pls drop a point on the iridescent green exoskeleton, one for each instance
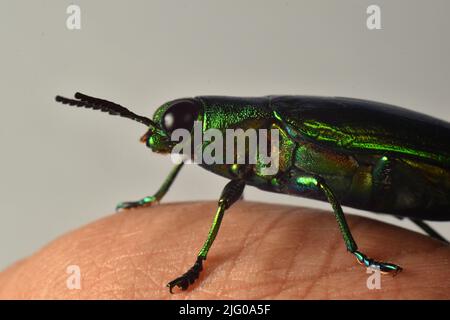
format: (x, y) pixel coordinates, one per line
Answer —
(351, 152)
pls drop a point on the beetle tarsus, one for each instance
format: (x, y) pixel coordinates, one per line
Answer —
(125, 206)
(384, 267)
(146, 202)
(189, 277)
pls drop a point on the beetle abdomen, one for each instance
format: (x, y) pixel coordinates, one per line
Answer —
(412, 188)
(401, 187)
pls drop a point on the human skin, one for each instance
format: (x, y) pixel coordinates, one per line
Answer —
(262, 251)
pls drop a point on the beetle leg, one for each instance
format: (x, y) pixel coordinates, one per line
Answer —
(230, 194)
(429, 230)
(148, 201)
(317, 184)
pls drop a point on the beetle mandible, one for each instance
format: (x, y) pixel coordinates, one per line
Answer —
(351, 152)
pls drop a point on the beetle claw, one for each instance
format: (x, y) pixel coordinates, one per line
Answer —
(127, 205)
(384, 267)
(146, 202)
(187, 278)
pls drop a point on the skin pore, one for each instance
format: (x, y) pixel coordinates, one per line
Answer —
(262, 251)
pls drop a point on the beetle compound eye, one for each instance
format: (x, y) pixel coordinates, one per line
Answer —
(181, 115)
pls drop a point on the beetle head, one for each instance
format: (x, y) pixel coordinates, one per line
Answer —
(176, 114)
(173, 115)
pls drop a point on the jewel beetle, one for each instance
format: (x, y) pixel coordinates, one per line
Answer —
(352, 152)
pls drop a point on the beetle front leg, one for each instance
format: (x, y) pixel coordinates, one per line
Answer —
(148, 201)
(317, 184)
(230, 194)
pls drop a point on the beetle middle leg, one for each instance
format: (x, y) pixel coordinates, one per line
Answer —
(230, 194)
(147, 201)
(304, 183)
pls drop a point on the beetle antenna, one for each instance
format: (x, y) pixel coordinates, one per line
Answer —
(82, 100)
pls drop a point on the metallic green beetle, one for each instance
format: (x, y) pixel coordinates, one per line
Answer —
(352, 152)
